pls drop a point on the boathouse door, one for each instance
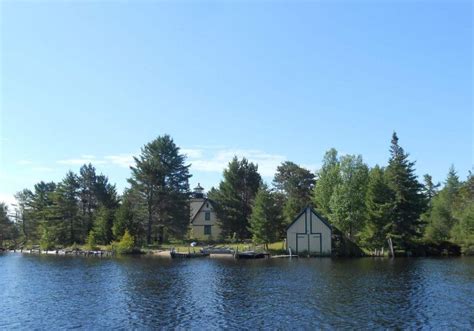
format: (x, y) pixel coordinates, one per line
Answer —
(310, 243)
(315, 243)
(302, 243)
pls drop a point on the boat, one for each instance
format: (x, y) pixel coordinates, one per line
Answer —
(249, 255)
(178, 255)
(217, 250)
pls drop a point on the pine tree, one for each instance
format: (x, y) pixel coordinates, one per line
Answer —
(8, 231)
(462, 231)
(379, 204)
(161, 177)
(441, 215)
(44, 215)
(103, 223)
(95, 191)
(266, 217)
(129, 216)
(26, 221)
(297, 184)
(234, 197)
(409, 202)
(88, 200)
(66, 198)
(430, 188)
(327, 179)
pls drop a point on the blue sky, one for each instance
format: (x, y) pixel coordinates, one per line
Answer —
(273, 81)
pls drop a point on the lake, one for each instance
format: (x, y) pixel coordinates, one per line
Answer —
(61, 292)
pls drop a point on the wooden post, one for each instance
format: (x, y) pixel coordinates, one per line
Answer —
(390, 245)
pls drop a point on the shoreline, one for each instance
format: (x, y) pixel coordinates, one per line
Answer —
(167, 254)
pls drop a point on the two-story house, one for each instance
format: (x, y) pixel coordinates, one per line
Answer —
(204, 222)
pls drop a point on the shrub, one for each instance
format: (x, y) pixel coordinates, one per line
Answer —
(91, 243)
(47, 241)
(125, 245)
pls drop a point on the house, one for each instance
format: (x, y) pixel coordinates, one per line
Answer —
(309, 233)
(204, 222)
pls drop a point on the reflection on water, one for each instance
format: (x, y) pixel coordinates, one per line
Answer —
(44, 292)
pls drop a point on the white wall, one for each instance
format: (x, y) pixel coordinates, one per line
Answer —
(309, 231)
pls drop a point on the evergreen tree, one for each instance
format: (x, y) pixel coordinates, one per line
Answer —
(347, 203)
(88, 199)
(452, 185)
(327, 179)
(26, 221)
(379, 204)
(441, 215)
(103, 223)
(234, 197)
(43, 213)
(129, 216)
(67, 200)
(409, 202)
(161, 178)
(91, 242)
(7, 226)
(430, 188)
(266, 217)
(95, 192)
(297, 184)
(462, 231)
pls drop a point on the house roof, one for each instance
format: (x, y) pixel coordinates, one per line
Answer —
(314, 212)
(196, 206)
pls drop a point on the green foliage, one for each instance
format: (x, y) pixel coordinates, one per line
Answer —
(379, 204)
(95, 191)
(129, 215)
(347, 203)
(126, 244)
(91, 242)
(441, 217)
(266, 217)
(48, 239)
(452, 212)
(66, 201)
(368, 206)
(103, 223)
(160, 176)
(430, 188)
(8, 229)
(26, 221)
(327, 180)
(296, 184)
(234, 197)
(409, 202)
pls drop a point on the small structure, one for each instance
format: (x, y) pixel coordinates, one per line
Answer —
(309, 234)
(204, 223)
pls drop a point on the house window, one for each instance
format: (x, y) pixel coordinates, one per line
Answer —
(207, 216)
(207, 230)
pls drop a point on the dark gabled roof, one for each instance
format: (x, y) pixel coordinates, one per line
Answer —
(314, 212)
(202, 203)
(195, 206)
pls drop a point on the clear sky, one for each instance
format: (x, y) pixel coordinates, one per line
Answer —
(273, 81)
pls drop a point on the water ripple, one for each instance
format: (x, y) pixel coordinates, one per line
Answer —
(51, 292)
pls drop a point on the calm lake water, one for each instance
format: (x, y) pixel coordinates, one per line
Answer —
(57, 292)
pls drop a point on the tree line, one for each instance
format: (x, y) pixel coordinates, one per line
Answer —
(367, 204)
